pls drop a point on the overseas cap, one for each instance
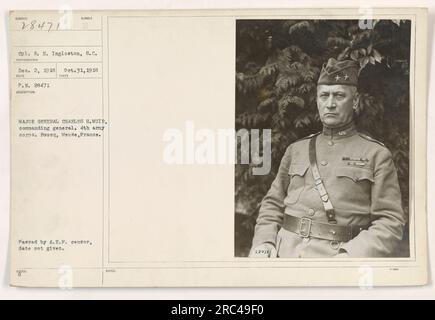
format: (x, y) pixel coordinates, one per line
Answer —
(339, 72)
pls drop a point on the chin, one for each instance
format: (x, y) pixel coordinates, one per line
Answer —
(330, 123)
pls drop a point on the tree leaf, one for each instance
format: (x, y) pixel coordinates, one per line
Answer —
(344, 54)
(304, 25)
(337, 41)
(354, 55)
(377, 55)
(266, 103)
(268, 69)
(364, 61)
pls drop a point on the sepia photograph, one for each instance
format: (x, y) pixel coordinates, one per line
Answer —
(209, 148)
(334, 96)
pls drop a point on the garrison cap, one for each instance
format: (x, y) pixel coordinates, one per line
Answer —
(343, 72)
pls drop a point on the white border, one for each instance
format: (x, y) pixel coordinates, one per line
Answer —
(215, 293)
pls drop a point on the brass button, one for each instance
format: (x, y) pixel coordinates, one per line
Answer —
(330, 143)
(324, 162)
(311, 212)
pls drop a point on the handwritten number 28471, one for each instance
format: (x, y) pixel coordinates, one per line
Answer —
(35, 25)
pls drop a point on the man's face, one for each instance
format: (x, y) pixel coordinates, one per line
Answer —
(335, 104)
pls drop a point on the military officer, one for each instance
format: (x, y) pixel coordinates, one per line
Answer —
(336, 193)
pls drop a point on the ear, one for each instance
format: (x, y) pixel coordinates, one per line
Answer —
(356, 106)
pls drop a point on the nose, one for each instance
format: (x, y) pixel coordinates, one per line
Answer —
(330, 103)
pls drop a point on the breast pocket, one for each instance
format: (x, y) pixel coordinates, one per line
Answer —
(354, 188)
(297, 172)
(356, 174)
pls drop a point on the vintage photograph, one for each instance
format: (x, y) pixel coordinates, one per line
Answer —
(290, 142)
(335, 95)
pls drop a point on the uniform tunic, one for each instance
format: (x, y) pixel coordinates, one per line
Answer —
(361, 180)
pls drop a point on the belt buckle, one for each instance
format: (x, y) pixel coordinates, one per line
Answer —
(305, 227)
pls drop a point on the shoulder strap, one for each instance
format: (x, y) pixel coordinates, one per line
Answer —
(308, 137)
(329, 209)
(367, 137)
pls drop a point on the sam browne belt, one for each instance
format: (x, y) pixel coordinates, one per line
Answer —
(306, 227)
(320, 187)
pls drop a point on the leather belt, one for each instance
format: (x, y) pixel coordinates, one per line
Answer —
(306, 228)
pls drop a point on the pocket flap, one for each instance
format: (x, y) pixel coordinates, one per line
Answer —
(356, 174)
(298, 169)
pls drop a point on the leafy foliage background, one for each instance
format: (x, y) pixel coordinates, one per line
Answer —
(277, 66)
